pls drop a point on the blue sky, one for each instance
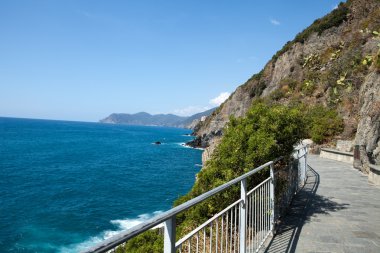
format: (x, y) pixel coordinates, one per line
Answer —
(82, 60)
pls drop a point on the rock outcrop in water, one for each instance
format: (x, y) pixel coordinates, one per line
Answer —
(334, 62)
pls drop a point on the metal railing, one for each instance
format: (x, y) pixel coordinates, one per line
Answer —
(243, 226)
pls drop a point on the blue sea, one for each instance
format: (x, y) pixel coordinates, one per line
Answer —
(67, 185)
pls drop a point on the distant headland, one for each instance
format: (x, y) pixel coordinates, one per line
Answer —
(146, 119)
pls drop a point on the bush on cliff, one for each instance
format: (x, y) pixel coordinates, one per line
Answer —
(267, 132)
(323, 123)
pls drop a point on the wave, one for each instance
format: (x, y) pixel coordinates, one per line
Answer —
(187, 146)
(121, 225)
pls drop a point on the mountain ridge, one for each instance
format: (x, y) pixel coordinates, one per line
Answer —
(147, 119)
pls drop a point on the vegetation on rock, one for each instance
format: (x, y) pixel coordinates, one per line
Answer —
(323, 123)
(333, 19)
(268, 131)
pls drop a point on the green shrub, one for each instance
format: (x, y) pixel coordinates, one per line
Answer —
(255, 77)
(290, 83)
(308, 87)
(323, 123)
(335, 18)
(267, 132)
(151, 241)
(277, 94)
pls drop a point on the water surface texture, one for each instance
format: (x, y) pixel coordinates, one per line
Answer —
(66, 185)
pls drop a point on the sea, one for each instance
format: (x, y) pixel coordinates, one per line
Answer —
(65, 186)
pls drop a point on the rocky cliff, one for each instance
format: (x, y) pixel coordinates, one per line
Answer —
(334, 62)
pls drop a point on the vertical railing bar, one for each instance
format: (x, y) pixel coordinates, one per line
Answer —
(258, 216)
(255, 205)
(299, 166)
(197, 242)
(262, 212)
(227, 232)
(266, 208)
(268, 204)
(190, 245)
(253, 219)
(211, 236)
(242, 216)
(269, 209)
(216, 236)
(263, 219)
(238, 229)
(252, 222)
(249, 225)
(235, 229)
(204, 239)
(231, 232)
(221, 234)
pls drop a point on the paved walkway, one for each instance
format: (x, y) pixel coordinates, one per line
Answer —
(337, 211)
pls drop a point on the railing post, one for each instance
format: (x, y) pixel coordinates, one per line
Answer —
(304, 166)
(272, 216)
(306, 153)
(242, 223)
(300, 166)
(169, 235)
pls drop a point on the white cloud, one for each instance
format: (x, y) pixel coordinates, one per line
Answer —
(190, 110)
(335, 7)
(219, 99)
(275, 22)
(193, 109)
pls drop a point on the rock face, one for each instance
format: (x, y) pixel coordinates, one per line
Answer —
(333, 62)
(369, 121)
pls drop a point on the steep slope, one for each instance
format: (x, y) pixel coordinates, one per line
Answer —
(334, 62)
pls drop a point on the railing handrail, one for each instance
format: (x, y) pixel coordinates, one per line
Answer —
(170, 215)
(160, 218)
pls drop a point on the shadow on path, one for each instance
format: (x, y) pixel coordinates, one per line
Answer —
(304, 205)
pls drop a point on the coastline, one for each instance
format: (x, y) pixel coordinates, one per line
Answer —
(186, 145)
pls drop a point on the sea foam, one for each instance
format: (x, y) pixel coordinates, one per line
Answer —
(120, 224)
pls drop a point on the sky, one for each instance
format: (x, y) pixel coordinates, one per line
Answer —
(85, 59)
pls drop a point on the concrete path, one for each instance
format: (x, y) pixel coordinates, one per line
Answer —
(336, 211)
